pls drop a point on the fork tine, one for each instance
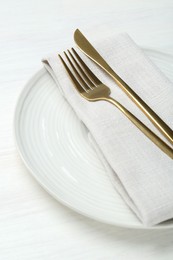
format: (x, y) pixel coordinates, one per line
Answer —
(84, 75)
(85, 86)
(75, 82)
(88, 71)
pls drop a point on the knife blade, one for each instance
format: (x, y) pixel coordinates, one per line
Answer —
(86, 47)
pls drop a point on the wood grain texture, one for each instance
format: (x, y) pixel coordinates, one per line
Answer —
(32, 224)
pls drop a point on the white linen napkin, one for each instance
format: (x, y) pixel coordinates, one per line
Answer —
(140, 171)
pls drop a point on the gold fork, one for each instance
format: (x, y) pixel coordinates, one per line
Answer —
(92, 89)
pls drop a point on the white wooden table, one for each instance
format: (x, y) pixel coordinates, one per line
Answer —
(32, 224)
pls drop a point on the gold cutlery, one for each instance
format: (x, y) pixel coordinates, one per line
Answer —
(92, 53)
(92, 89)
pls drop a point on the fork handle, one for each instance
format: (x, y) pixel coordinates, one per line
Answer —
(153, 117)
(151, 135)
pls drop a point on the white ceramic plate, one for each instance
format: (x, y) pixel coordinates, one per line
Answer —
(51, 139)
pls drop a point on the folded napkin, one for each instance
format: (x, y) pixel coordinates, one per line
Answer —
(140, 171)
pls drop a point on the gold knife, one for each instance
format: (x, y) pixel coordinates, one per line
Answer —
(91, 52)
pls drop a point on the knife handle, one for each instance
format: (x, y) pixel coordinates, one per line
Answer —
(153, 117)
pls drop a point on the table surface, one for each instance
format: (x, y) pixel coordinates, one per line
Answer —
(32, 224)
